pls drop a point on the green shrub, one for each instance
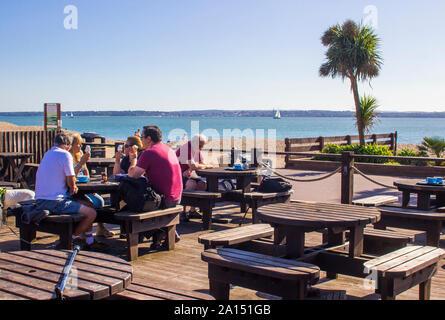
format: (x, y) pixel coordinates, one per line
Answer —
(369, 149)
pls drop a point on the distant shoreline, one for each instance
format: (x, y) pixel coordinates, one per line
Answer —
(231, 113)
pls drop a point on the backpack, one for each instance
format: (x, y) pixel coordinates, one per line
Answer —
(269, 185)
(139, 195)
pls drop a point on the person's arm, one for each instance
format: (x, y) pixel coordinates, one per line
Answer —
(71, 183)
(134, 171)
(82, 163)
(117, 164)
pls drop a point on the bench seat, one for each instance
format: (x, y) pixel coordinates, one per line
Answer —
(132, 223)
(141, 289)
(375, 201)
(403, 269)
(377, 241)
(205, 201)
(257, 199)
(281, 277)
(235, 236)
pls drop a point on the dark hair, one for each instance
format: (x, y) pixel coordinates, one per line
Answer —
(63, 139)
(153, 132)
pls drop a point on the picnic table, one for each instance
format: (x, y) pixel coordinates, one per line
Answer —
(423, 192)
(16, 161)
(243, 177)
(97, 186)
(34, 275)
(292, 220)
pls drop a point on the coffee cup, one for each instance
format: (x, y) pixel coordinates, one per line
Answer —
(237, 166)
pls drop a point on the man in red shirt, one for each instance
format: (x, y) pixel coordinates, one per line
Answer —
(190, 159)
(161, 167)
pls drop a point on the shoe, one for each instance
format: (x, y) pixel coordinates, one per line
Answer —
(104, 233)
(193, 215)
(161, 238)
(78, 242)
(96, 246)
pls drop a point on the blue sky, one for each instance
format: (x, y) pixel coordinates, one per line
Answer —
(209, 54)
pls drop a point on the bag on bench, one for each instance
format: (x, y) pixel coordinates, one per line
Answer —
(269, 185)
(139, 195)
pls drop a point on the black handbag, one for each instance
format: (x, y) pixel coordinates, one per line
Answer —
(269, 185)
(139, 195)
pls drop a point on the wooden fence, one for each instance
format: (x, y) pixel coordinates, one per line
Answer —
(317, 144)
(35, 142)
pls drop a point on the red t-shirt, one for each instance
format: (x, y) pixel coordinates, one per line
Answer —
(162, 171)
(184, 154)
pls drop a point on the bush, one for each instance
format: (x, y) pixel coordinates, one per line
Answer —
(369, 149)
(407, 152)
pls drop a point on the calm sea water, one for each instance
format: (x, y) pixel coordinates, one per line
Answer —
(410, 130)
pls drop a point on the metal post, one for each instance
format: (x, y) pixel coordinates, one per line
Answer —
(256, 156)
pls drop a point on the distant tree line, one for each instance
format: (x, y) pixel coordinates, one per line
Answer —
(233, 113)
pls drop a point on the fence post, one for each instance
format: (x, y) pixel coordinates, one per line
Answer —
(322, 143)
(349, 139)
(287, 149)
(347, 177)
(256, 155)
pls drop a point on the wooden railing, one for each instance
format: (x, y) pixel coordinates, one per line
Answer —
(35, 142)
(317, 144)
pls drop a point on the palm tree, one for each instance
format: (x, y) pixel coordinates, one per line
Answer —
(367, 115)
(435, 145)
(352, 53)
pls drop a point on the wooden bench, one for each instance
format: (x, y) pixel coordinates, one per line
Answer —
(375, 201)
(205, 201)
(377, 241)
(8, 184)
(403, 269)
(132, 223)
(61, 225)
(257, 199)
(141, 289)
(281, 277)
(235, 236)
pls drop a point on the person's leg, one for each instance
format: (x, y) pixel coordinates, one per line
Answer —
(190, 185)
(99, 202)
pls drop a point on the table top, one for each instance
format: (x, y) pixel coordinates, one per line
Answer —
(224, 173)
(317, 215)
(15, 154)
(412, 185)
(35, 274)
(97, 186)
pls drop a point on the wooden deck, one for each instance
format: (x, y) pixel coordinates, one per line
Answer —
(183, 268)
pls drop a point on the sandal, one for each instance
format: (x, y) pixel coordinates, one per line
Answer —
(104, 233)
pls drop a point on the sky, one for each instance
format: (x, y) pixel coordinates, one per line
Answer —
(211, 54)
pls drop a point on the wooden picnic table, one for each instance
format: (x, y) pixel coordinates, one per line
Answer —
(107, 163)
(292, 220)
(97, 186)
(16, 161)
(423, 192)
(34, 275)
(243, 177)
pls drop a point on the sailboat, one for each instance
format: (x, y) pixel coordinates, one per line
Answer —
(71, 115)
(277, 115)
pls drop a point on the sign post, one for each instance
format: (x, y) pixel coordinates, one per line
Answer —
(51, 119)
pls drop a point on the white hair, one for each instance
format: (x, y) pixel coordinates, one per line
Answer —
(197, 138)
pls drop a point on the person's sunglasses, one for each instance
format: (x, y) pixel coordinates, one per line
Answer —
(127, 146)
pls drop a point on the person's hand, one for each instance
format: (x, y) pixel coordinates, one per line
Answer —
(133, 156)
(118, 155)
(86, 156)
(74, 190)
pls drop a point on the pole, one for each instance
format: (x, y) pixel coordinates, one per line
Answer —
(347, 177)
(66, 271)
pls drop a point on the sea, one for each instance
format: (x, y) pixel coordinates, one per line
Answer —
(409, 130)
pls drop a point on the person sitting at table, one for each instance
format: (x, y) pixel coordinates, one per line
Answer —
(56, 185)
(122, 163)
(161, 168)
(80, 168)
(191, 159)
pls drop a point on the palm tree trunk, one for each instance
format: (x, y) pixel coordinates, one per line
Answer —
(361, 130)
